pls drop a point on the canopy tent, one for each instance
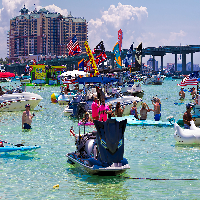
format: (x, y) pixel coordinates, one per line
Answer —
(74, 73)
(6, 74)
(96, 80)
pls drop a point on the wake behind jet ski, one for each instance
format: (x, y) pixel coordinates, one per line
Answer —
(101, 152)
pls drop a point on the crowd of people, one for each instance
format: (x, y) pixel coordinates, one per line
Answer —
(101, 111)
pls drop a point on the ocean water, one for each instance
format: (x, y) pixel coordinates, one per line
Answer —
(151, 152)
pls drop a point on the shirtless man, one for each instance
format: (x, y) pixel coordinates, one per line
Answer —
(156, 110)
(27, 118)
(182, 94)
(187, 117)
(193, 93)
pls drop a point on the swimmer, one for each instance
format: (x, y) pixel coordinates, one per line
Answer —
(187, 117)
(27, 118)
(182, 94)
(155, 102)
(143, 111)
(87, 118)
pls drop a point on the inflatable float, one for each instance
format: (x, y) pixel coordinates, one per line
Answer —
(187, 136)
(17, 148)
(86, 124)
(131, 120)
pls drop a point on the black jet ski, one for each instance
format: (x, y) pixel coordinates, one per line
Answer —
(101, 152)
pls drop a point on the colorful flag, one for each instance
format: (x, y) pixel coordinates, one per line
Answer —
(117, 55)
(91, 58)
(120, 37)
(81, 65)
(101, 58)
(138, 57)
(128, 59)
(73, 47)
(189, 80)
(99, 48)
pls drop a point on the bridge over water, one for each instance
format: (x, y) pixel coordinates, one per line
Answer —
(163, 50)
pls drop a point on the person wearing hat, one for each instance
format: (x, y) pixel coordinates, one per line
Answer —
(187, 117)
(182, 94)
(27, 118)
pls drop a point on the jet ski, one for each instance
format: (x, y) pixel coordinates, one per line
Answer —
(101, 152)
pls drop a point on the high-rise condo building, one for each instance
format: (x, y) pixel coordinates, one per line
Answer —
(44, 33)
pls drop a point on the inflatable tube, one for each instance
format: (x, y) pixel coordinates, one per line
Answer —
(86, 124)
(187, 136)
(178, 103)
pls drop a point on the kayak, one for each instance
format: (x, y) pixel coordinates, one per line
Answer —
(16, 148)
(131, 120)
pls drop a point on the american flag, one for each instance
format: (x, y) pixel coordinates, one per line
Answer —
(189, 80)
(73, 47)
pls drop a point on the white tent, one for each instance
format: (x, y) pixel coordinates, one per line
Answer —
(74, 73)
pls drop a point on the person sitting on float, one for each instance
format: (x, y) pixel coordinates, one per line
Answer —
(133, 110)
(187, 117)
(87, 118)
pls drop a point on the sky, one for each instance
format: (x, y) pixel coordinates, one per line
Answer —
(152, 22)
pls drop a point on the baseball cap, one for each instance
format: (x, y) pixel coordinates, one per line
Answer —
(188, 106)
(27, 105)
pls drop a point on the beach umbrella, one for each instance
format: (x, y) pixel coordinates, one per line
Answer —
(6, 74)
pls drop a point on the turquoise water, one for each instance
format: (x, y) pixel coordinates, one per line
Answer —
(151, 153)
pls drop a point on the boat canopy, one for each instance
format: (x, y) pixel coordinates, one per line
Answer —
(95, 80)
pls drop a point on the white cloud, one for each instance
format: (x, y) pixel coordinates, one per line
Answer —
(54, 8)
(173, 37)
(126, 17)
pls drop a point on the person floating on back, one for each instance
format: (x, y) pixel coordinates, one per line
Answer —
(27, 118)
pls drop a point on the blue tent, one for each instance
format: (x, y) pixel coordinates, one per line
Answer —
(96, 80)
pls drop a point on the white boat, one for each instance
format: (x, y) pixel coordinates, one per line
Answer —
(132, 89)
(126, 101)
(17, 101)
(153, 80)
(64, 99)
(187, 136)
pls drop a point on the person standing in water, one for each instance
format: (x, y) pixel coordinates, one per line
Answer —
(27, 118)
(155, 102)
(187, 117)
(182, 94)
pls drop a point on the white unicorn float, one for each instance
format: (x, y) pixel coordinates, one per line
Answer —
(187, 136)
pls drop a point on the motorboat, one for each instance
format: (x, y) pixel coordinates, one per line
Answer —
(153, 80)
(101, 152)
(79, 104)
(64, 99)
(132, 89)
(16, 101)
(187, 136)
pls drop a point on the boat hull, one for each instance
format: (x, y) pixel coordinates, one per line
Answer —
(17, 101)
(113, 170)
